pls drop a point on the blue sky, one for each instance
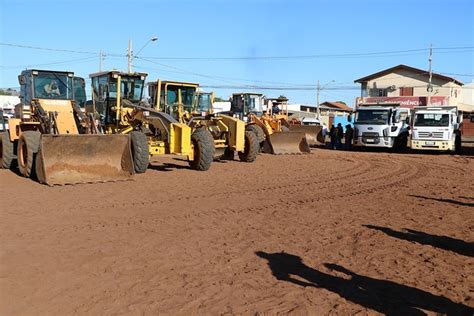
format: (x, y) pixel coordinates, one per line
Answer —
(209, 29)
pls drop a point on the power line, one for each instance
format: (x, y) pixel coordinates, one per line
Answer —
(315, 56)
(71, 61)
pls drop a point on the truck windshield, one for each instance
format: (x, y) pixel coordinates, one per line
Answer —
(52, 86)
(431, 119)
(378, 117)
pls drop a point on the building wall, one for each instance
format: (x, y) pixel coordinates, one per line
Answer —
(402, 78)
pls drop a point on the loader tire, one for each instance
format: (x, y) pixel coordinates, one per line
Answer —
(140, 153)
(251, 149)
(204, 149)
(258, 131)
(28, 146)
(228, 154)
(7, 151)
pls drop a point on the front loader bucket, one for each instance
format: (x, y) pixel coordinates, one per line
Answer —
(313, 133)
(286, 143)
(70, 159)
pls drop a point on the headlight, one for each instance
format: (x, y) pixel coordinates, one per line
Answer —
(385, 132)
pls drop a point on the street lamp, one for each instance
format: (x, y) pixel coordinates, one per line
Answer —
(131, 55)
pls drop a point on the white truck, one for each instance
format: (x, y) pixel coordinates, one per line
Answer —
(436, 128)
(381, 125)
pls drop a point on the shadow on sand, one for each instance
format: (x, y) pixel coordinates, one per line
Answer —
(380, 295)
(443, 242)
(443, 200)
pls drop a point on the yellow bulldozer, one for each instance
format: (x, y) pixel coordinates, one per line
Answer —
(47, 139)
(118, 107)
(184, 102)
(272, 129)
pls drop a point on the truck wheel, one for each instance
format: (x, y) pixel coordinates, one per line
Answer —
(203, 146)
(140, 153)
(28, 146)
(251, 148)
(7, 153)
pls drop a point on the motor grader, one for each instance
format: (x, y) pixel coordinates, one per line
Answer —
(187, 104)
(118, 106)
(45, 137)
(272, 129)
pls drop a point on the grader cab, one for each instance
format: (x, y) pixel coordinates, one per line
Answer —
(194, 108)
(118, 105)
(44, 139)
(272, 130)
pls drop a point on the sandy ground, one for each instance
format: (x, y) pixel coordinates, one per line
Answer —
(326, 233)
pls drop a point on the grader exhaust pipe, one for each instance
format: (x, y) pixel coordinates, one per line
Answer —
(71, 159)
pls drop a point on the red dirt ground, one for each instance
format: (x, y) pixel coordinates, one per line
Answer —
(326, 233)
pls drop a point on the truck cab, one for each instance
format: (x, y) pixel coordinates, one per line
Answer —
(384, 126)
(436, 128)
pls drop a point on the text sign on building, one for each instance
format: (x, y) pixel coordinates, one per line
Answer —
(407, 102)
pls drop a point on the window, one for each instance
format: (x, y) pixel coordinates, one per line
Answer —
(375, 92)
(52, 86)
(406, 91)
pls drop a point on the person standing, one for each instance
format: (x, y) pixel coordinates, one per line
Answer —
(324, 132)
(348, 137)
(332, 136)
(339, 135)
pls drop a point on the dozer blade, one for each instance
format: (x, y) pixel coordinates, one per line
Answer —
(313, 133)
(286, 143)
(70, 159)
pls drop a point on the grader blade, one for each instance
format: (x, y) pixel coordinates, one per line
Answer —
(286, 143)
(71, 159)
(313, 133)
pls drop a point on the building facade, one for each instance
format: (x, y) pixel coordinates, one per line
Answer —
(409, 87)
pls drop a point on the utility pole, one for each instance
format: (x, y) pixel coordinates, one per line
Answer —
(430, 87)
(101, 56)
(317, 101)
(129, 55)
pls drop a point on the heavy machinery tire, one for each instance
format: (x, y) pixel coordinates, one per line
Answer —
(140, 152)
(7, 152)
(228, 154)
(204, 149)
(28, 146)
(252, 147)
(258, 132)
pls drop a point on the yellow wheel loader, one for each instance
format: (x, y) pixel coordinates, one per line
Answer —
(278, 108)
(45, 141)
(118, 107)
(272, 130)
(184, 102)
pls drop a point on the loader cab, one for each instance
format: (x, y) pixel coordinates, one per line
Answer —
(80, 97)
(173, 97)
(204, 102)
(112, 90)
(45, 84)
(243, 104)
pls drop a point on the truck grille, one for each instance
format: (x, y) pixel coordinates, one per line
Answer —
(430, 134)
(370, 138)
